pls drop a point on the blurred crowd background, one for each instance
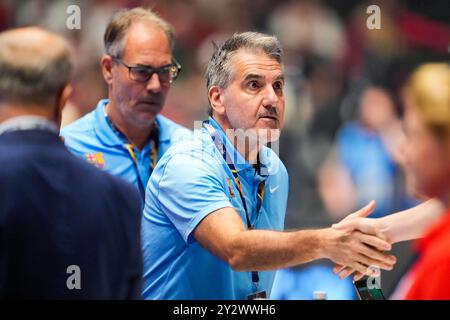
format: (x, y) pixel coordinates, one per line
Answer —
(343, 96)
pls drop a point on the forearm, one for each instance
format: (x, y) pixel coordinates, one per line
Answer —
(267, 250)
(223, 234)
(411, 223)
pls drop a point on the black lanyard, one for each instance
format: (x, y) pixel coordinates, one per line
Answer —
(260, 191)
(154, 136)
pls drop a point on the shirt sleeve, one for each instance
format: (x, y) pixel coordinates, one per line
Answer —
(189, 189)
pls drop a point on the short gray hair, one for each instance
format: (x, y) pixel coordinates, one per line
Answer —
(122, 20)
(218, 71)
(34, 66)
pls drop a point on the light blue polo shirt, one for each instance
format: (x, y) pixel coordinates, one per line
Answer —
(93, 139)
(190, 181)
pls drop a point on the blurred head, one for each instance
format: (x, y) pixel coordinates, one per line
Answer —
(137, 38)
(245, 83)
(376, 108)
(427, 126)
(35, 70)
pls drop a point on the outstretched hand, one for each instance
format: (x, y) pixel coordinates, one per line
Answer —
(358, 221)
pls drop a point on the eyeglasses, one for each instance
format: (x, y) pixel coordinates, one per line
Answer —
(141, 73)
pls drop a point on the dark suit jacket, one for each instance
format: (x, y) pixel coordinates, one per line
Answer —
(57, 211)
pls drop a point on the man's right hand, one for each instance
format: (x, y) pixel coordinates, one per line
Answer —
(356, 250)
(358, 221)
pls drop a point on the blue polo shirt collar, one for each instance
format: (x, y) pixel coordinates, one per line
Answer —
(164, 133)
(110, 138)
(238, 160)
(102, 128)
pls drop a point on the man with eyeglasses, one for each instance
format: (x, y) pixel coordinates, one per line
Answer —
(124, 135)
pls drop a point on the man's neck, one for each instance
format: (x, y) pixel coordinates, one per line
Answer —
(138, 136)
(12, 111)
(248, 147)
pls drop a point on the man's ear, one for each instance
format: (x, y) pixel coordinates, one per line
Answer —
(216, 99)
(106, 64)
(64, 96)
(61, 101)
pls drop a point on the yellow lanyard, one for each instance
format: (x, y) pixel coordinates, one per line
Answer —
(153, 154)
(260, 192)
(154, 136)
(153, 159)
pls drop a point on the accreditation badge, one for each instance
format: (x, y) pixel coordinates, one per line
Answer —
(257, 295)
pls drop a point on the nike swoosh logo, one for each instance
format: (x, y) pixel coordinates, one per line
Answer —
(272, 190)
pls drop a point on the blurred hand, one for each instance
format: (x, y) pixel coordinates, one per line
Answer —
(357, 221)
(356, 250)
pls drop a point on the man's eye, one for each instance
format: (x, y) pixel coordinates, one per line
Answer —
(253, 84)
(140, 71)
(278, 85)
(166, 69)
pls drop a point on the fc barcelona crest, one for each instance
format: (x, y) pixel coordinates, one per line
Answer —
(96, 159)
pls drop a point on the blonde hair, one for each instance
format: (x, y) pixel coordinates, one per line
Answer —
(428, 91)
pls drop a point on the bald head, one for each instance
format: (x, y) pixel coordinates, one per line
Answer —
(35, 66)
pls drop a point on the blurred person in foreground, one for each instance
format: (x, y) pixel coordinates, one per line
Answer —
(67, 230)
(213, 219)
(125, 135)
(426, 159)
(427, 155)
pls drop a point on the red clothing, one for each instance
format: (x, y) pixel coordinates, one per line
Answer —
(430, 276)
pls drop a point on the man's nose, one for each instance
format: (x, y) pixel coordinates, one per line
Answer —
(154, 84)
(270, 97)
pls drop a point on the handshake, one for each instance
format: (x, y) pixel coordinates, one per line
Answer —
(357, 245)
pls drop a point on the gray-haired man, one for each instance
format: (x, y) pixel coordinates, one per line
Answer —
(215, 206)
(124, 135)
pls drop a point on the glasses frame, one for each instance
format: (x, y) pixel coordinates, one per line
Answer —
(152, 70)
